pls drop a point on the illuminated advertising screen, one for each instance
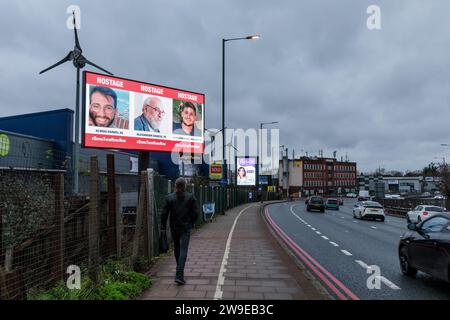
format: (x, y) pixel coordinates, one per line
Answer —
(246, 171)
(127, 114)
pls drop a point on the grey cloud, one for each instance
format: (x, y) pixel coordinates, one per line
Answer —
(380, 96)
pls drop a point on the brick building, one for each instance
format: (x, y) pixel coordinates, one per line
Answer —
(318, 176)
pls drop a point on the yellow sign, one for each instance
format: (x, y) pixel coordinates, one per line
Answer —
(298, 163)
(215, 170)
(4, 145)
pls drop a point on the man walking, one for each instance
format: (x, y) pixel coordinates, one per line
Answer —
(181, 208)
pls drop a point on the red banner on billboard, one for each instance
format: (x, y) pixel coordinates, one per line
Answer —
(127, 114)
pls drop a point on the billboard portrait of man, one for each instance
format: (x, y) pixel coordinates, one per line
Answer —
(103, 108)
(151, 117)
(188, 114)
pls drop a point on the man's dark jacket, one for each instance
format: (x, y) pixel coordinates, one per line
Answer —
(182, 212)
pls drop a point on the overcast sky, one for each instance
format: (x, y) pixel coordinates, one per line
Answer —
(380, 96)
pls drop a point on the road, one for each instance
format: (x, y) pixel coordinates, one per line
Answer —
(339, 249)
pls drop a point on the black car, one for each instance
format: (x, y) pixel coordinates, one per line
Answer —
(426, 247)
(316, 203)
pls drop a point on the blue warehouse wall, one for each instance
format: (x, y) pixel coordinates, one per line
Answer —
(56, 125)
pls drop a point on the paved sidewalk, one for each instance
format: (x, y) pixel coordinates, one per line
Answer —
(257, 268)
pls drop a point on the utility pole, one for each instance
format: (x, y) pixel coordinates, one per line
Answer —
(287, 173)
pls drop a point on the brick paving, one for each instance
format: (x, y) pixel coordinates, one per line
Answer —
(258, 267)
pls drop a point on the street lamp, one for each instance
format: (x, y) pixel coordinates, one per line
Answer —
(260, 141)
(250, 37)
(230, 145)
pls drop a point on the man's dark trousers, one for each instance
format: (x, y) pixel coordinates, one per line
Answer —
(180, 246)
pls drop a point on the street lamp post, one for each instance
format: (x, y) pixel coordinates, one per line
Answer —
(251, 37)
(230, 145)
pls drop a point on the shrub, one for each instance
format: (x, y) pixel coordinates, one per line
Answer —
(116, 281)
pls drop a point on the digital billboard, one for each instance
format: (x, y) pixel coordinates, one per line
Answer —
(246, 171)
(126, 114)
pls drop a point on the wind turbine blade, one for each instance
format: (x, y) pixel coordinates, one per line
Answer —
(77, 43)
(98, 67)
(65, 59)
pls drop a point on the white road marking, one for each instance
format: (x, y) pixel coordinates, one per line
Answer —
(389, 283)
(373, 227)
(313, 229)
(355, 221)
(346, 252)
(221, 278)
(318, 232)
(325, 238)
(334, 244)
(362, 264)
(386, 281)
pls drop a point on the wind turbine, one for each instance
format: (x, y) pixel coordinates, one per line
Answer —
(79, 61)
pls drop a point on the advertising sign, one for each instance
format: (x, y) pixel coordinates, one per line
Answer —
(215, 170)
(246, 171)
(127, 114)
(392, 181)
(263, 180)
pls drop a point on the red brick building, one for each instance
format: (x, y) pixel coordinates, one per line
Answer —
(328, 176)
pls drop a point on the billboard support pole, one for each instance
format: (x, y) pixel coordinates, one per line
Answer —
(76, 150)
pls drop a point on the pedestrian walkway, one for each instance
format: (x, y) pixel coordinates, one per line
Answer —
(247, 263)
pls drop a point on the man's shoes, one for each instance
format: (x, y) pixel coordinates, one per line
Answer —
(180, 281)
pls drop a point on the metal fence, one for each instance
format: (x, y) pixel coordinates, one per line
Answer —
(45, 228)
(401, 206)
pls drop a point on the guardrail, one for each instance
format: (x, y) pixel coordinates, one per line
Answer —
(399, 207)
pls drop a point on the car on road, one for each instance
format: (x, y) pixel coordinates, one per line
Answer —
(351, 195)
(393, 196)
(316, 203)
(426, 247)
(332, 203)
(422, 212)
(368, 210)
(363, 195)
